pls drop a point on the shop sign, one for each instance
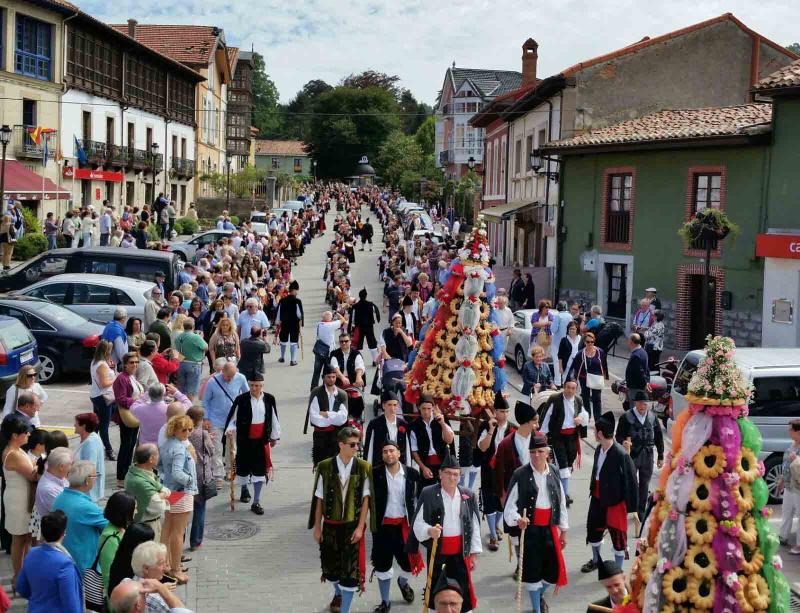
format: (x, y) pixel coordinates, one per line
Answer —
(93, 175)
(785, 246)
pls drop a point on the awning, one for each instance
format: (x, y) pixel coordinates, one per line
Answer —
(502, 212)
(21, 183)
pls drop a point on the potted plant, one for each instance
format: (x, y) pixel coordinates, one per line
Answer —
(707, 226)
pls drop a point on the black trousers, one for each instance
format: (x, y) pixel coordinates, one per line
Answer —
(289, 333)
(318, 364)
(388, 545)
(643, 474)
(565, 449)
(127, 445)
(338, 555)
(367, 332)
(595, 397)
(456, 569)
(597, 524)
(541, 561)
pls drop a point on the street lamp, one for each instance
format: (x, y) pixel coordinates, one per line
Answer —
(5, 137)
(228, 183)
(314, 165)
(536, 164)
(471, 163)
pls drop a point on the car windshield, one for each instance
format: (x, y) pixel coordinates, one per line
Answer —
(14, 335)
(60, 315)
(681, 383)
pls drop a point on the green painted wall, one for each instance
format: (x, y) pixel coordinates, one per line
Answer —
(660, 196)
(285, 164)
(783, 193)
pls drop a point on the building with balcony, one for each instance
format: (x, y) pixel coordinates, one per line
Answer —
(240, 108)
(464, 93)
(31, 78)
(204, 50)
(128, 115)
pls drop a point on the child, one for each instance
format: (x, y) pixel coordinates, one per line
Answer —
(789, 482)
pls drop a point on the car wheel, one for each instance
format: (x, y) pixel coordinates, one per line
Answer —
(519, 359)
(772, 472)
(49, 368)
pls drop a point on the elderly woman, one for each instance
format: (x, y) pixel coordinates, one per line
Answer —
(119, 513)
(85, 520)
(53, 479)
(126, 390)
(536, 374)
(26, 382)
(541, 322)
(177, 466)
(101, 393)
(149, 561)
(18, 472)
(200, 438)
(151, 410)
(91, 449)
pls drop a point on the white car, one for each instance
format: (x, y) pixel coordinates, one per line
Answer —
(436, 237)
(186, 250)
(518, 343)
(294, 205)
(93, 296)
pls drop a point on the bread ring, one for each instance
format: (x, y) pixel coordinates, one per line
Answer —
(742, 597)
(709, 462)
(455, 304)
(701, 593)
(432, 372)
(447, 377)
(647, 562)
(439, 354)
(747, 533)
(743, 496)
(451, 341)
(758, 592)
(452, 325)
(701, 562)
(451, 361)
(747, 466)
(700, 497)
(700, 527)
(441, 337)
(484, 311)
(752, 559)
(676, 585)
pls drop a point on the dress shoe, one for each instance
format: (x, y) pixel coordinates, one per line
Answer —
(569, 501)
(245, 497)
(384, 607)
(336, 605)
(281, 360)
(257, 508)
(110, 455)
(492, 545)
(589, 567)
(406, 590)
(292, 363)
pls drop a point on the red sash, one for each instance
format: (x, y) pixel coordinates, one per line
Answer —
(616, 515)
(434, 460)
(415, 559)
(256, 433)
(451, 546)
(572, 432)
(324, 428)
(355, 336)
(541, 517)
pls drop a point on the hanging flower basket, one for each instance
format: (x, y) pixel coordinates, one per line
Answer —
(707, 226)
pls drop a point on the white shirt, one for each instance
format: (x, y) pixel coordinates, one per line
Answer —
(246, 322)
(501, 434)
(510, 514)
(505, 318)
(522, 442)
(344, 475)
(601, 458)
(428, 307)
(259, 416)
(408, 323)
(569, 416)
(334, 418)
(326, 330)
(396, 498)
(451, 523)
(639, 416)
(427, 424)
(359, 364)
(392, 435)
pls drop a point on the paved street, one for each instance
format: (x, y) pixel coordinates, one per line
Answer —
(251, 563)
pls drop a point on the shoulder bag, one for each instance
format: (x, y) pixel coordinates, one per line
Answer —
(208, 489)
(321, 348)
(594, 382)
(93, 582)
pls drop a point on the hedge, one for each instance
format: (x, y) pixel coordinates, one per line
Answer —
(31, 244)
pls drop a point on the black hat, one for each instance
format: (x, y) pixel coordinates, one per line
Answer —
(523, 412)
(538, 441)
(445, 583)
(407, 301)
(606, 424)
(425, 398)
(607, 569)
(640, 395)
(500, 403)
(391, 442)
(327, 369)
(294, 285)
(256, 377)
(449, 462)
(389, 395)
(362, 293)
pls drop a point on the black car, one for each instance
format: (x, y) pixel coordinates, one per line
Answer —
(66, 340)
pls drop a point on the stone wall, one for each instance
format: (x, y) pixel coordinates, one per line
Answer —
(743, 326)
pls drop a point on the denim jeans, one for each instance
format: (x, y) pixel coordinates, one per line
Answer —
(189, 377)
(198, 522)
(164, 231)
(104, 239)
(51, 241)
(103, 412)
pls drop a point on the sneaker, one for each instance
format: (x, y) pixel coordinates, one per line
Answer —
(292, 363)
(492, 545)
(281, 360)
(257, 508)
(795, 551)
(245, 497)
(336, 605)
(406, 590)
(589, 567)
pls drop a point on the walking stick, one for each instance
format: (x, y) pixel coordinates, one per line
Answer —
(232, 474)
(519, 564)
(427, 595)
(302, 350)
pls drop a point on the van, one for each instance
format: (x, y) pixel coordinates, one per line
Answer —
(17, 348)
(775, 375)
(140, 264)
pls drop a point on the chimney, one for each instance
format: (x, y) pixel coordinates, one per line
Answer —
(132, 23)
(529, 59)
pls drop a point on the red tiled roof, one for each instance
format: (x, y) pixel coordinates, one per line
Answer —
(788, 76)
(647, 42)
(487, 114)
(233, 56)
(280, 147)
(192, 45)
(673, 125)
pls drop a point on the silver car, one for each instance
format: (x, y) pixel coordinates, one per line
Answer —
(518, 343)
(186, 250)
(775, 375)
(93, 296)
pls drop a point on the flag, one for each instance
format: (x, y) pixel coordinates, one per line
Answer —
(36, 133)
(79, 152)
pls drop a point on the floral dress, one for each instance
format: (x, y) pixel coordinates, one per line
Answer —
(225, 347)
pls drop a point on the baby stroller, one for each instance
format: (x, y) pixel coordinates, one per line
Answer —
(389, 377)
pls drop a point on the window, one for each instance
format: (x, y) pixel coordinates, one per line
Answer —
(298, 165)
(528, 151)
(148, 140)
(131, 135)
(122, 298)
(29, 121)
(109, 131)
(110, 192)
(183, 148)
(16, 314)
(518, 156)
(707, 188)
(100, 267)
(274, 164)
(130, 193)
(34, 323)
(55, 292)
(87, 125)
(183, 196)
(45, 267)
(87, 293)
(775, 397)
(33, 50)
(619, 197)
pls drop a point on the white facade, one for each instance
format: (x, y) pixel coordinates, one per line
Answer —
(174, 139)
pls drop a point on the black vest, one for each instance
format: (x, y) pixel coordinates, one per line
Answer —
(424, 444)
(395, 346)
(431, 505)
(350, 366)
(527, 491)
(642, 434)
(379, 480)
(378, 434)
(322, 400)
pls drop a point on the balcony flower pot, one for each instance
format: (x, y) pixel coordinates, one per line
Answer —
(707, 226)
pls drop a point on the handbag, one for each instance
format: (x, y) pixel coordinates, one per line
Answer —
(594, 382)
(321, 348)
(93, 583)
(208, 489)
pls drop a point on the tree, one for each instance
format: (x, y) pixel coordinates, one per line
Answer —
(426, 136)
(794, 48)
(413, 113)
(399, 156)
(297, 114)
(372, 78)
(266, 116)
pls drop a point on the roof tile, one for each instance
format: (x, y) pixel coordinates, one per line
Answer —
(187, 44)
(280, 147)
(489, 82)
(788, 76)
(673, 125)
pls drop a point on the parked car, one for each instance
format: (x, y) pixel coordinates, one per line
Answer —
(435, 237)
(131, 263)
(185, 250)
(66, 341)
(775, 375)
(95, 297)
(294, 205)
(518, 343)
(278, 212)
(259, 223)
(17, 348)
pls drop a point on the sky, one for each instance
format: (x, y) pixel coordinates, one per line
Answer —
(417, 40)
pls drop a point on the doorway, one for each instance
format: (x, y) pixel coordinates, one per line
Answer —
(699, 326)
(616, 290)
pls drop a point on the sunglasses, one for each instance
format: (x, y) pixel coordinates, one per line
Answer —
(30, 374)
(352, 445)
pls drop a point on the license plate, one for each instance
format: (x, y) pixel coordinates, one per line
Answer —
(26, 357)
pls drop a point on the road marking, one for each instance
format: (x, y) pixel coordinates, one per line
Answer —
(68, 430)
(66, 391)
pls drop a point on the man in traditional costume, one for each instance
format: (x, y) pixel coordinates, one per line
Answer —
(610, 575)
(327, 412)
(613, 490)
(290, 319)
(339, 507)
(384, 427)
(537, 505)
(349, 367)
(447, 595)
(512, 451)
(490, 435)
(397, 489)
(564, 423)
(431, 440)
(253, 419)
(449, 513)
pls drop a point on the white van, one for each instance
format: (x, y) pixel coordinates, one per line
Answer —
(775, 374)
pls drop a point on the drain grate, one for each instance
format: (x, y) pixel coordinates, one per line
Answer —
(230, 530)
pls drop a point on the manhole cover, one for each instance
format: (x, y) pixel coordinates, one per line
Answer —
(230, 530)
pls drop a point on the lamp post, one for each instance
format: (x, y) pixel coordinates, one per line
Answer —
(153, 154)
(228, 182)
(5, 137)
(314, 166)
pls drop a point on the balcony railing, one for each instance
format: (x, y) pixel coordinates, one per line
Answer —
(618, 226)
(23, 145)
(183, 167)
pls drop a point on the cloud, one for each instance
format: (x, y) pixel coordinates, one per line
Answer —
(329, 39)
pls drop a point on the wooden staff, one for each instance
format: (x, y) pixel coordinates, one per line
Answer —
(232, 473)
(431, 562)
(519, 563)
(302, 350)
(597, 607)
